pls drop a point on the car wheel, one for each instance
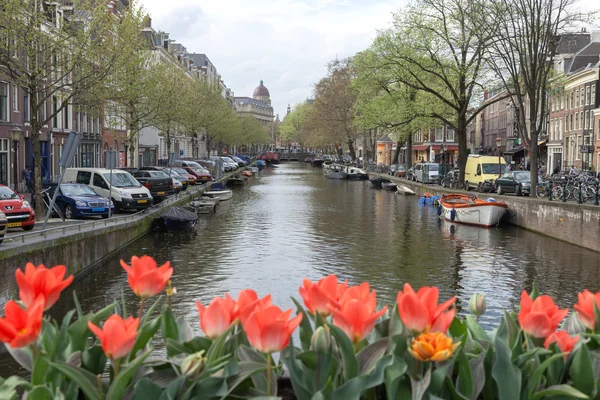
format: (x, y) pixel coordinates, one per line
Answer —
(28, 228)
(444, 183)
(104, 216)
(518, 190)
(68, 212)
(499, 189)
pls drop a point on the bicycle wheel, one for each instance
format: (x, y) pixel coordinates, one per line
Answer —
(557, 193)
(540, 191)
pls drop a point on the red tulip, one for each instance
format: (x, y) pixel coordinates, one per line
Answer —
(247, 301)
(117, 336)
(216, 318)
(145, 278)
(356, 318)
(585, 308)
(36, 281)
(317, 296)
(269, 329)
(21, 327)
(539, 317)
(420, 311)
(362, 293)
(563, 340)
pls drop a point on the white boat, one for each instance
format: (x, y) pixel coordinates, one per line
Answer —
(388, 186)
(254, 170)
(335, 172)
(356, 174)
(402, 189)
(217, 191)
(464, 209)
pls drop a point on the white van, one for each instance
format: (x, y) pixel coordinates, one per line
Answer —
(126, 192)
(427, 172)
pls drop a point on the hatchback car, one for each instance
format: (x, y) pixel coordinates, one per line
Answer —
(517, 182)
(3, 226)
(18, 210)
(401, 170)
(76, 200)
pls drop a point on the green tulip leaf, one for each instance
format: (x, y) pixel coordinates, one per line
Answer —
(148, 314)
(94, 359)
(538, 373)
(78, 332)
(120, 382)
(172, 390)
(21, 355)
(438, 376)
(534, 291)
(394, 378)
(559, 390)
(476, 330)
(40, 368)
(248, 354)
(144, 389)
(60, 343)
(216, 349)
(288, 358)
(464, 381)
(8, 387)
(185, 330)
(504, 371)
(477, 366)
(396, 327)
(174, 348)
(354, 387)
(246, 369)
(582, 372)
(368, 356)
(513, 329)
(144, 336)
(419, 387)
(306, 330)
(198, 344)
(168, 326)
(40, 393)
(349, 361)
(85, 380)
(458, 330)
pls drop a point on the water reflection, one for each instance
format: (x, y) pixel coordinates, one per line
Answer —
(291, 223)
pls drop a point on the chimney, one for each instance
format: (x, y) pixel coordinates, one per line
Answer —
(595, 35)
(147, 21)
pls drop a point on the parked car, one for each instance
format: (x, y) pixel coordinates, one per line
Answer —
(401, 170)
(177, 185)
(410, 174)
(393, 169)
(158, 183)
(238, 160)
(225, 167)
(426, 172)
(76, 200)
(195, 169)
(172, 173)
(248, 159)
(482, 168)
(3, 225)
(125, 192)
(229, 161)
(18, 211)
(191, 179)
(518, 182)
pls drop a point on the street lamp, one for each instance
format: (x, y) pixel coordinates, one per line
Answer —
(498, 144)
(126, 142)
(15, 135)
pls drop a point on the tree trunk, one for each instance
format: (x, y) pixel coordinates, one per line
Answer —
(408, 156)
(168, 140)
(351, 149)
(397, 152)
(36, 168)
(461, 131)
(533, 153)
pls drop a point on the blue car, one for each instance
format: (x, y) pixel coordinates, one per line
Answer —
(247, 159)
(77, 200)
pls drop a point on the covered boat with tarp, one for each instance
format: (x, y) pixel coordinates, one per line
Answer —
(175, 219)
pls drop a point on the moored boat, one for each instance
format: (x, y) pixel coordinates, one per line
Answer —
(464, 209)
(336, 172)
(388, 186)
(260, 164)
(356, 174)
(402, 189)
(218, 191)
(317, 162)
(175, 219)
(376, 182)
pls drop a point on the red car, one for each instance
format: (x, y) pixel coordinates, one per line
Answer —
(18, 211)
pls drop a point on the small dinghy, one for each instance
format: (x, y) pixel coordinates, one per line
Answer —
(468, 210)
(260, 164)
(176, 219)
(254, 170)
(235, 182)
(356, 174)
(402, 189)
(335, 172)
(218, 191)
(388, 186)
(204, 205)
(376, 182)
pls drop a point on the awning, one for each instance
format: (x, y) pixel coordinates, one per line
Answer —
(420, 148)
(451, 147)
(541, 142)
(514, 151)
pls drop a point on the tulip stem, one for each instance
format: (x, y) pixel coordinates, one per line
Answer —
(141, 309)
(116, 368)
(268, 374)
(99, 383)
(34, 352)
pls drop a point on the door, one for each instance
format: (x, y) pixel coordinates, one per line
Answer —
(508, 182)
(100, 186)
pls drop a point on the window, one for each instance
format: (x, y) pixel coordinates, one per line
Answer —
(577, 98)
(588, 96)
(15, 98)
(83, 177)
(581, 120)
(100, 182)
(450, 135)
(587, 120)
(87, 155)
(562, 102)
(571, 124)
(26, 107)
(577, 153)
(54, 112)
(77, 122)
(591, 120)
(593, 95)
(572, 98)
(66, 115)
(3, 101)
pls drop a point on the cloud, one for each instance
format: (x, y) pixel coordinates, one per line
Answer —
(287, 43)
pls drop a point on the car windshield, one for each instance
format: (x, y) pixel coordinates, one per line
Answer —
(200, 170)
(122, 180)
(522, 176)
(77, 190)
(7, 194)
(401, 167)
(433, 167)
(493, 169)
(158, 174)
(180, 171)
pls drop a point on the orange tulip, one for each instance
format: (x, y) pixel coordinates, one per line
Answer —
(48, 282)
(539, 317)
(361, 292)
(117, 336)
(432, 346)
(247, 302)
(318, 296)
(216, 318)
(269, 329)
(356, 318)
(585, 308)
(145, 278)
(21, 327)
(563, 340)
(420, 311)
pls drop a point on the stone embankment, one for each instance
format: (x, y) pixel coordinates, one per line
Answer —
(578, 224)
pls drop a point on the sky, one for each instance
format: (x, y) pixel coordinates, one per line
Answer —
(286, 43)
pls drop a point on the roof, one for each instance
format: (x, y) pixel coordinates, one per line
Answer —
(589, 54)
(261, 91)
(572, 42)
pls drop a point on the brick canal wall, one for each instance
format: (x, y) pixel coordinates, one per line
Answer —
(578, 224)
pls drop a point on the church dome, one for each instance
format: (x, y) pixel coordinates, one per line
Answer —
(261, 91)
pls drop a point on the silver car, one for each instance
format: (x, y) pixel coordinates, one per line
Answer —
(427, 172)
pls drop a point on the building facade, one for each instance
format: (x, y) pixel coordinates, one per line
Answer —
(258, 106)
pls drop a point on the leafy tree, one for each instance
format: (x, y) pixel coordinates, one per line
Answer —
(293, 127)
(63, 56)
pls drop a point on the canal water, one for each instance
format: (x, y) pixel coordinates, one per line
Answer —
(290, 222)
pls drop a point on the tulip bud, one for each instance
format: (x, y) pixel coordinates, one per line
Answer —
(321, 340)
(477, 304)
(573, 325)
(193, 365)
